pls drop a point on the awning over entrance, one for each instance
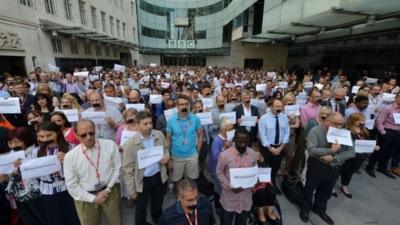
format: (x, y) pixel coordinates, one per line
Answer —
(81, 32)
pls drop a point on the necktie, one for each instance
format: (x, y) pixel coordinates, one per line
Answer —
(276, 130)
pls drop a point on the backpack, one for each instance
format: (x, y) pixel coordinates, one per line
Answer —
(293, 187)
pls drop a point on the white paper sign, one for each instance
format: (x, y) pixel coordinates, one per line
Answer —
(113, 100)
(81, 74)
(386, 97)
(152, 65)
(229, 85)
(283, 84)
(364, 146)
(230, 115)
(248, 121)
(71, 114)
(308, 84)
(168, 76)
(230, 134)
(342, 136)
(10, 105)
(257, 102)
(243, 177)
(164, 85)
(207, 102)
(261, 87)
(169, 112)
(96, 117)
(53, 68)
(264, 174)
(396, 117)
(355, 89)
(40, 167)
(371, 80)
(292, 110)
(271, 74)
(120, 68)
(155, 99)
(205, 118)
(138, 107)
(98, 68)
(7, 161)
(126, 135)
(149, 156)
(319, 86)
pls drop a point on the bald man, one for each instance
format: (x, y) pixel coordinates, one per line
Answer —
(113, 117)
(323, 167)
(337, 102)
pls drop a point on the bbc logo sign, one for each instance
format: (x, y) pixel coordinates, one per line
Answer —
(181, 44)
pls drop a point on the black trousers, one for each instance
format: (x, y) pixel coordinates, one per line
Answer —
(350, 167)
(390, 143)
(32, 212)
(227, 217)
(320, 178)
(60, 209)
(273, 161)
(152, 188)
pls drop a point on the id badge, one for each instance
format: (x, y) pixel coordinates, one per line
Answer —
(98, 186)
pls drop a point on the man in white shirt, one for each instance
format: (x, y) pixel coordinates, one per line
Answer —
(113, 116)
(92, 171)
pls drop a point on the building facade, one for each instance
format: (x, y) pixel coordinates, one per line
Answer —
(66, 33)
(204, 32)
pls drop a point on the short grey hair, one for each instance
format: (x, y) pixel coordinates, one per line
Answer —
(186, 185)
(224, 123)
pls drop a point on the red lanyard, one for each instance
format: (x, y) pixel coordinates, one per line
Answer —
(195, 218)
(96, 167)
(237, 160)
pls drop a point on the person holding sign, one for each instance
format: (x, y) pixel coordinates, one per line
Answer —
(25, 102)
(58, 205)
(246, 109)
(113, 116)
(148, 182)
(92, 170)
(161, 123)
(65, 126)
(25, 192)
(185, 136)
(337, 102)
(274, 133)
(236, 201)
(323, 167)
(356, 124)
(130, 125)
(390, 132)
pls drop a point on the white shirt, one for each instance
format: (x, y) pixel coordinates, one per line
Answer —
(105, 130)
(80, 174)
(247, 112)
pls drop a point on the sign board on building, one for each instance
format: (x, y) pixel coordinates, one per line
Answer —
(181, 44)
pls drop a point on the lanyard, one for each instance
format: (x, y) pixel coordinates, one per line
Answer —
(195, 218)
(96, 167)
(237, 160)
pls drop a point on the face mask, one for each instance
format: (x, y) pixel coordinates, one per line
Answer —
(247, 102)
(338, 99)
(278, 111)
(290, 104)
(200, 111)
(184, 110)
(18, 148)
(130, 121)
(97, 105)
(192, 207)
(133, 102)
(45, 143)
(33, 123)
(221, 106)
(319, 101)
(65, 106)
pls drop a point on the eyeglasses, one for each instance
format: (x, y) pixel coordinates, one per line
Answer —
(87, 134)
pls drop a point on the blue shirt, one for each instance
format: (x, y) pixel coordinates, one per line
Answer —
(183, 134)
(217, 147)
(266, 129)
(4, 94)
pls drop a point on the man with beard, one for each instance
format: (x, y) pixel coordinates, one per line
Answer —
(185, 136)
(236, 201)
(190, 209)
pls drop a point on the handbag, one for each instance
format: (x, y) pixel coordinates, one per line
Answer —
(293, 187)
(23, 190)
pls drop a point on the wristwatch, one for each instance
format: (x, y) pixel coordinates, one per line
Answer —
(108, 190)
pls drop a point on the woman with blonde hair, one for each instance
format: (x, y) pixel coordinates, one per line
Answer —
(69, 102)
(356, 125)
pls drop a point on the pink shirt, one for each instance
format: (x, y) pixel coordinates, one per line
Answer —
(385, 118)
(231, 158)
(70, 137)
(307, 112)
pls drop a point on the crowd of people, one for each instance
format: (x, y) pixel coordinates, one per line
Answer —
(269, 119)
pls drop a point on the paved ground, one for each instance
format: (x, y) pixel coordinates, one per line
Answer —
(374, 202)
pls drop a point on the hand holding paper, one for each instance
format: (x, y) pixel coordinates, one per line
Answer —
(339, 136)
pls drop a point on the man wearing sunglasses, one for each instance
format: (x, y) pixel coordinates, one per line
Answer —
(323, 167)
(92, 171)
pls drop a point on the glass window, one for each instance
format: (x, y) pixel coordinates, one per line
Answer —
(88, 48)
(94, 17)
(74, 47)
(98, 50)
(124, 30)
(103, 21)
(68, 9)
(118, 28)
(150, 32)
(56, 44)
(107, 51)
(26, 2)
(82, 12)
(50, 6)
(201, 34)
(112, 25)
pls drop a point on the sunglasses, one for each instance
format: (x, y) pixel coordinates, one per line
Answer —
(86, 134)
